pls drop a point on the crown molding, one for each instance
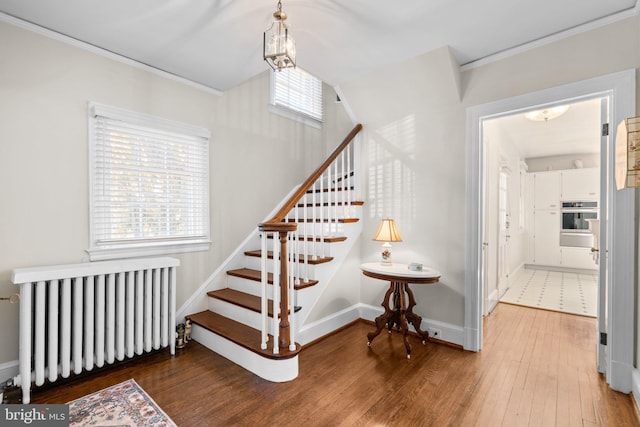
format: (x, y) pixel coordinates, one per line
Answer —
(552, 38)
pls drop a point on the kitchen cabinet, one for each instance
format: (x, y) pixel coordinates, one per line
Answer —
(546, 239)
(546, 190)
(580, 184)
(577, 258)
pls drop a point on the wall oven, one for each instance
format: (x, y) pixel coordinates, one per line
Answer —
(575, 227)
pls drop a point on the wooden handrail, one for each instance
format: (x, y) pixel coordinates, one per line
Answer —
(275, 223)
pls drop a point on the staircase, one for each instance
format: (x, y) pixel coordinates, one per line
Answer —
(255, 313)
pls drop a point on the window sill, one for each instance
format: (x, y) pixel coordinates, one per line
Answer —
(146, 249)
(292, 115)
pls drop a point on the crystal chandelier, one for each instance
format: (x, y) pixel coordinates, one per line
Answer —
(279, 48)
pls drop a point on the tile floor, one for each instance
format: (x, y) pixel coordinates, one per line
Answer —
(553, 290)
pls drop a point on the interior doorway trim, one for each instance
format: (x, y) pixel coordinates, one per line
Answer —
(620, 87)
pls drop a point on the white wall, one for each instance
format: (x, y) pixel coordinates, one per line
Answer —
(44, 89)
(502, 152)
(414, 145)
(413, 166)
(540, 164)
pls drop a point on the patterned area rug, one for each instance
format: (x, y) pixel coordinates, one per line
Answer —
(551, 290)
(124, 404)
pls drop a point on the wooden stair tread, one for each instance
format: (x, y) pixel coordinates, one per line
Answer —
(241, 299)
(250, 274)
(258, 254)
(240, 334)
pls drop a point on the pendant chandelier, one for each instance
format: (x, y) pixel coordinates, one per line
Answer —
(279, 49)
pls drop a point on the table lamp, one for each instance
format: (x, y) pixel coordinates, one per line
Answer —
(387, 232)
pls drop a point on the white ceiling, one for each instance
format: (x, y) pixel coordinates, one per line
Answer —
(575, 132)
(218, 43)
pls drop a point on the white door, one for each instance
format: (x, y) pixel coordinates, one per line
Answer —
(504, 223)
(602, 249)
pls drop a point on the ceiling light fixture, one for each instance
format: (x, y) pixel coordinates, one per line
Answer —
(279, 48)
(547, 113)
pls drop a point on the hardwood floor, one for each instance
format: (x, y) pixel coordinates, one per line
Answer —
(537, 368)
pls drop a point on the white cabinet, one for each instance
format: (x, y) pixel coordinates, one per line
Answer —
(577, 258)
(546, 190)
(580, 184)
(546, 239)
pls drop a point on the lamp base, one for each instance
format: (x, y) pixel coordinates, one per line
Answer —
(386, 254)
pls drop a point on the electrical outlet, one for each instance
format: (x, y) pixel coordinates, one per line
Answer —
(434, 333)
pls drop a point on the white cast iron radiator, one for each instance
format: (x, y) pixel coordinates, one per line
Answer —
(80, 316)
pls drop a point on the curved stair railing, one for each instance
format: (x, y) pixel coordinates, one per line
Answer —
(320, 205)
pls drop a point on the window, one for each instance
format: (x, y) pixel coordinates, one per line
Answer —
(299, 92)
(149, 185)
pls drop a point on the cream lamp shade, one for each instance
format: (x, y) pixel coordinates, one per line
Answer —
(387, 232)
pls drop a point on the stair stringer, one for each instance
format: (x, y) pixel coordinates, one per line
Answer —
(308, 298)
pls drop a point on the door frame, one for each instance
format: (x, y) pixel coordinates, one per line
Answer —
(620, 88)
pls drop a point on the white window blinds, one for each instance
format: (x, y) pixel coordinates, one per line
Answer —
(298, 90)
(149, 180)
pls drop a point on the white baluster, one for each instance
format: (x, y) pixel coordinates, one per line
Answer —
(276, 291)
(298, 245)
(315, 221)
(351, 213)
(336, 187)
(292, 305)
(344, 187)
(263, 291)
(321, 216)
(329, 202)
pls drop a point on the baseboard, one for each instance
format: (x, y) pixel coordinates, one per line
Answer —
(635, 387)
(517, 270)
(314, 330)
(9, 370)
(493, 300)
(449, 333)
(560, 269)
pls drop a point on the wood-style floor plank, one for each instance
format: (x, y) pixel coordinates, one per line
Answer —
(536, 368)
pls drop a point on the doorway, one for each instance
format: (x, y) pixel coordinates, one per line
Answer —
(620, 89)
(537, 252)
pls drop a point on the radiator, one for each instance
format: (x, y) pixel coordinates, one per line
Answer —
(76, 317)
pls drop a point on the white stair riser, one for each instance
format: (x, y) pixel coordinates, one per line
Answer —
(327, 212)
(247, 286)
(237, 313)
(275, 370)
(329, 197)
(254, 263)
(307, 247)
